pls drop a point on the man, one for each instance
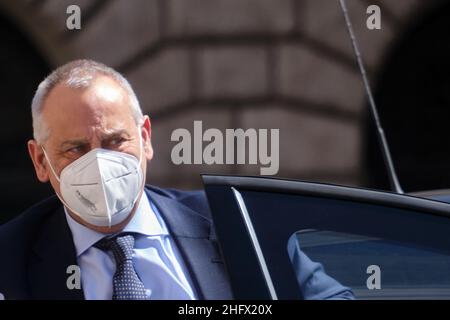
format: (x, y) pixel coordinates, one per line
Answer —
(128, 240)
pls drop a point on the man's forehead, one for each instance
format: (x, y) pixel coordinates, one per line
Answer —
(108, 90)
(73, 112)
(101, 87)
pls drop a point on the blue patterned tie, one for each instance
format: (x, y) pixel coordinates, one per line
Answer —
(126, 282)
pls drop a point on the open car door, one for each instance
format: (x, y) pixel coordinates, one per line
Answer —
(382, 245)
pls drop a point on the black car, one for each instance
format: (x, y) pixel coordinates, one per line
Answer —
(382, 245)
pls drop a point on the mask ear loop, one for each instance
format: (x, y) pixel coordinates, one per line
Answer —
(140, 153)
(57, 178)
(50, 164)
(140, 144)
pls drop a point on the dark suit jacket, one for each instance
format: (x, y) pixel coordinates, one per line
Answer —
(37, 248)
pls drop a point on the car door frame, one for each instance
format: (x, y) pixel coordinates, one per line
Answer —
(240, 240)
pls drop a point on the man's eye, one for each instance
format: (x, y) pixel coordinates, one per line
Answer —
(116, 141)
(74, 150)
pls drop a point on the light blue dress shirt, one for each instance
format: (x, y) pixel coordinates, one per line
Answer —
(155, 257)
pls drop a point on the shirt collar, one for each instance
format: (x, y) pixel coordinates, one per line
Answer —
(146, 221)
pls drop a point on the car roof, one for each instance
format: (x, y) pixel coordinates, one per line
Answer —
(435, 202)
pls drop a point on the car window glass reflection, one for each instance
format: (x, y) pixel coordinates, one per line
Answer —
(373, 268)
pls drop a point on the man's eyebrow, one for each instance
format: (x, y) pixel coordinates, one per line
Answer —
(81, 142)
(115, 133)
(76, 142)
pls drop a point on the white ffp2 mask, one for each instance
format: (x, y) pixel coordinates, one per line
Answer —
(102, 186)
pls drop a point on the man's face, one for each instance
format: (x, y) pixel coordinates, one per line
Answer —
(84, 119)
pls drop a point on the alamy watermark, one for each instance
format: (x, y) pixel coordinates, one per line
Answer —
(374, 20)
(73, 21)
(235, 146)
(74, 278)
(374, 280)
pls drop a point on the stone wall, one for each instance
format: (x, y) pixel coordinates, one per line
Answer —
(284, 64)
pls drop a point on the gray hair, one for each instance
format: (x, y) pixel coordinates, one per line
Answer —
(76, 74)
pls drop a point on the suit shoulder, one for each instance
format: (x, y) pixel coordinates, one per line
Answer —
(16, 239)
(194, 199)
(23, 225)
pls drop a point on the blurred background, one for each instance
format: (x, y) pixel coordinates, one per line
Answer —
(284, 64)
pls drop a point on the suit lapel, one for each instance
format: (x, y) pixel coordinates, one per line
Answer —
(53, 253)
(192, 235)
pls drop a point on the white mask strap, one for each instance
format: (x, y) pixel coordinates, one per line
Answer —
(60, 197)
(50, 164)
(140, 143)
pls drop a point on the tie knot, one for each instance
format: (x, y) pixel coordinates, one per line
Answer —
(121, 247)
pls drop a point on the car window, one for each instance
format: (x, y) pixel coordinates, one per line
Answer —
(344, 234)
(376, 268)
(360, 231)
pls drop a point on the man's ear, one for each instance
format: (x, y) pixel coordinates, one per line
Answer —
(38, 158)
(146, 137)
